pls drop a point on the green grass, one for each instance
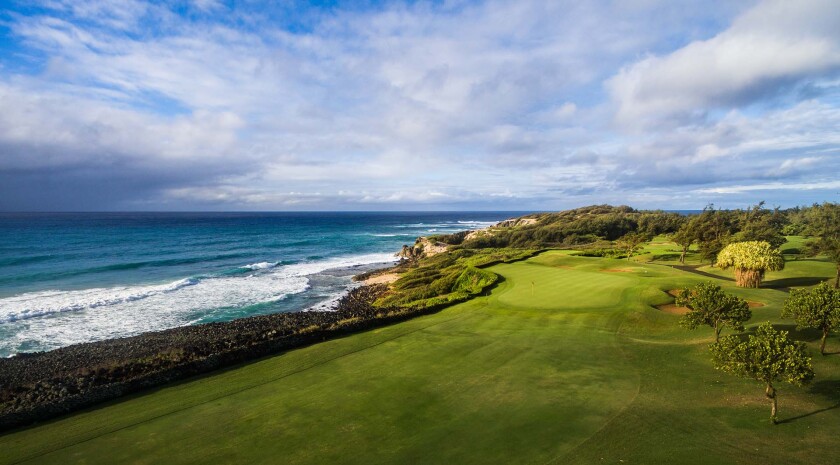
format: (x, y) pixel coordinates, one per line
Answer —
(448, 277)
(565, 362)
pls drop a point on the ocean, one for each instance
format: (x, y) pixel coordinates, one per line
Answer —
(68, 278)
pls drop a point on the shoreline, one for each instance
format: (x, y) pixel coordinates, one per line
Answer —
(320, 292)
(39, 386)
(43, 385)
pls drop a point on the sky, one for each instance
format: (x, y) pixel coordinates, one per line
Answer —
(441, 105)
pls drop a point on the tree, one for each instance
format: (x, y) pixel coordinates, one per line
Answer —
(818, 308)
(631, 242)
(769, 357)
(659, 222)
(761, 224)
(714, 230)
(751, 259)
(823, 223)
(708, 305)
(685, 236)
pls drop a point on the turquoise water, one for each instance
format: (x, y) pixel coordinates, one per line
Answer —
(81, 277)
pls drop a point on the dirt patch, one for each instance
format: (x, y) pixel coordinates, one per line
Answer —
(565, 267)
(754, 304)
(618, 270)
(386, 278)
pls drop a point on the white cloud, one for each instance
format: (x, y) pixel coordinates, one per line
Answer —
(466, 103)
(775, 43)
(208, 5)
(74, 130)
(739, 189)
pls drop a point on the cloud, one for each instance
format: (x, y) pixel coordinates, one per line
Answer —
(829, 185)
(208, 5)
(775, 45)
(475, 104)
(794, 143)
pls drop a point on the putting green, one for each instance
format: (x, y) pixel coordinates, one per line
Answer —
(565, 362)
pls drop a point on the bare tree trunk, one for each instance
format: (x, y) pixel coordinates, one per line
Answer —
(718, 328)
(770, 392)
(837, 279)
(748, 278)
(822, 342)
(685, 250)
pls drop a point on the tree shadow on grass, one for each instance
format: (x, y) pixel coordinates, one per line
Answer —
(829, 389)
(665, 256)
(784, 284)
(799, 334)
(693, 269)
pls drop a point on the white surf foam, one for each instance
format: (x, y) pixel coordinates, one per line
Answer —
(260, 266)
(55, 319)
(478, 224)
(36, 304)
(449, 226)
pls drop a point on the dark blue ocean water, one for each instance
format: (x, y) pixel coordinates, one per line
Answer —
(69, 278)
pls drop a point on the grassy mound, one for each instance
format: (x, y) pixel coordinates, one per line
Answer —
(454, 276)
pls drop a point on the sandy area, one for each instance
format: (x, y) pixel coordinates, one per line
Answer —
(676, 310)
(673, 309)
(386, 278)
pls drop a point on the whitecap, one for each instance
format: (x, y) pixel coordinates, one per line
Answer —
(260, 266)
(59, 318)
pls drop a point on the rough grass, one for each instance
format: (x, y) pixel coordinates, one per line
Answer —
(562, 363)
(448, 277)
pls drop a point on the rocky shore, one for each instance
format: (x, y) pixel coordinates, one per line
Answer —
(36, 387)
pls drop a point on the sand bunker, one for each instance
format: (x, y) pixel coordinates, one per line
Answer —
(674, 309)
(618, 270)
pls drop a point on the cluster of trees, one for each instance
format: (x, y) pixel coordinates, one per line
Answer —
(711, 231)
(585, 225)
(714, 229)
(768, 356)
(822, 224)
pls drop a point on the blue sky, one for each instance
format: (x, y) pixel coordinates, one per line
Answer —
(445, 105)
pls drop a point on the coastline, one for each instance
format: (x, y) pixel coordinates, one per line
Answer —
(38, 386)
(77, 278)
(43, 385)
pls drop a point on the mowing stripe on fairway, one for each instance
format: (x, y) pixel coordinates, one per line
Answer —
(238, 391)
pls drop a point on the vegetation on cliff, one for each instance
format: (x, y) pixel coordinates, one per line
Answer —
(448, 277)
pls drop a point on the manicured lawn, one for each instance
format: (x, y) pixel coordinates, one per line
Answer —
(565, 362)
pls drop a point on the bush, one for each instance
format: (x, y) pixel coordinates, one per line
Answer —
(448, 277)
(473, 280)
